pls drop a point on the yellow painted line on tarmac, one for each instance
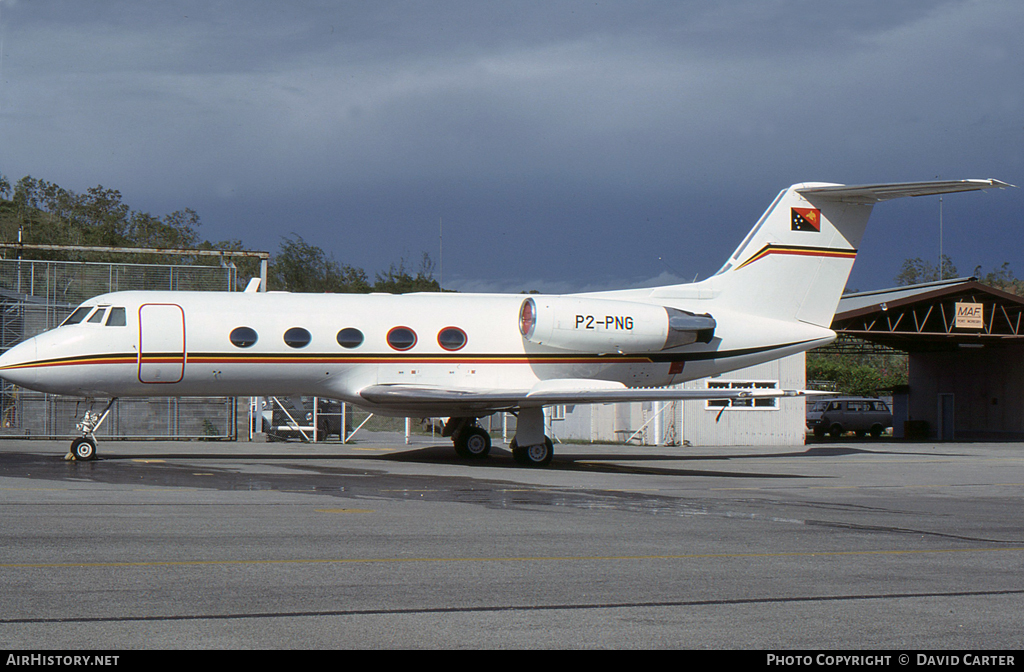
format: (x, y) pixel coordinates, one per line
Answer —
(875, 487)
(639, 489)
(160, 490)
(35, 489)
(553, 558)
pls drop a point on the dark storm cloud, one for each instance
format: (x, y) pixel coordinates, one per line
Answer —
(562, 144)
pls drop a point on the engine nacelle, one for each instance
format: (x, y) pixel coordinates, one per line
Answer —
(607, 325)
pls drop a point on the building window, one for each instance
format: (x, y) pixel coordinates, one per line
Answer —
(749, 404)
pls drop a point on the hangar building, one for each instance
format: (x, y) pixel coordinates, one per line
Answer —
(965, 342)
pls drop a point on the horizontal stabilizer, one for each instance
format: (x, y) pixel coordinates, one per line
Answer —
(874, 193)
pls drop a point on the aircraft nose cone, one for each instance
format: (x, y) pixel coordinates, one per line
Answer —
(15, 364)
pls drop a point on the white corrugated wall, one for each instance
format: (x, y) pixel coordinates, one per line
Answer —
(781, 426)
(614, 423)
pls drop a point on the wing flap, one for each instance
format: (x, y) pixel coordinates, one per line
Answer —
(433, 398)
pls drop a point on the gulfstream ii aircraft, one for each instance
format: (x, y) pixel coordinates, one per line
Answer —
(465, 356)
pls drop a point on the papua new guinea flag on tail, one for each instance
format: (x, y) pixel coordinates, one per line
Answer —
(806, 219)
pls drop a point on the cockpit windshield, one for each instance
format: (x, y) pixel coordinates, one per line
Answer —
(78, 315)
(111, 317)
(117, 318)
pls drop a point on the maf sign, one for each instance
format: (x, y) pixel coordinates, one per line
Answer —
(969, 316)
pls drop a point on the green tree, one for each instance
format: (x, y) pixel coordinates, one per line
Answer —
(915, 271)
(301, 267)
(859, 375)
(1002, 278)
(45, 213)
(398, 280)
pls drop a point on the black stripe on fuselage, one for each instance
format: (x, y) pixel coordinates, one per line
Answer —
(382, 358)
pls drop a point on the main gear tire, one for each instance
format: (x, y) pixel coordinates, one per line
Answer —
(538, 455)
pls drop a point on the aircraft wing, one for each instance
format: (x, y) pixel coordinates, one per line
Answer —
(874, 193)
(547, 393)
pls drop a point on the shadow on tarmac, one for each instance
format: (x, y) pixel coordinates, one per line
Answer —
(628, 460)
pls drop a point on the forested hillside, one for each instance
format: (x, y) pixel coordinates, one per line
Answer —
(45, 213)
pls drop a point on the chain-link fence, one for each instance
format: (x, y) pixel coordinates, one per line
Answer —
(28, 414)
(47, 291)
(36, 296)
(318, 419)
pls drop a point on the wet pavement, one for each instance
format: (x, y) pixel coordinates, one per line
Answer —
(382, 544)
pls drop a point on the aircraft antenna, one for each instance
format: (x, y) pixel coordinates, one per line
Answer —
(672, 270)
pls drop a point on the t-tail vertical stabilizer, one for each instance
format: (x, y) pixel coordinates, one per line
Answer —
(795, 262)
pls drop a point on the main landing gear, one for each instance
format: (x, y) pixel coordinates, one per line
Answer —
(84, 447)
(471, 440)
(530, 448)
(537, 455)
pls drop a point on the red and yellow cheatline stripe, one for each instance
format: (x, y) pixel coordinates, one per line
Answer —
(289, 358)
(410, 359)
(800, 251)
(78, 361)
(223, 358)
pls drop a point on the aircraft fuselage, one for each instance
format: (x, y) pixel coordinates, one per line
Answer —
(334, 345)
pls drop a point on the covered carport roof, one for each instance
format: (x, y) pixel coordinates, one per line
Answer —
(920, 318)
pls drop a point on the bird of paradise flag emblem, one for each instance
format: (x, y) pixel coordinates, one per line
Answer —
(806, 219)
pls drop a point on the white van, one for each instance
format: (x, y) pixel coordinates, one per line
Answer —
(837, 415)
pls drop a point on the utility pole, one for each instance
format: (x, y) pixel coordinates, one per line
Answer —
(942, 275)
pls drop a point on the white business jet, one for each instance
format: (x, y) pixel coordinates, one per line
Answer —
(465, 356)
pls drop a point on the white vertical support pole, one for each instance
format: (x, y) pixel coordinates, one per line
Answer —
(344, 423)
(681, 427)
(408, 426)
(260, 400)
(316, 419)
(657, 422)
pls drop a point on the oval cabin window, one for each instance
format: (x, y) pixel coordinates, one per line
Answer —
(401, 338)
(350, 337)
(451, 338)
(243, 337)
(297, 337)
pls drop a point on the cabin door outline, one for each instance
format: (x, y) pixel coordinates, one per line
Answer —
(161, 343)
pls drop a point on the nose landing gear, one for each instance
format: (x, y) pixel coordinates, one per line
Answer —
(84, 447)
